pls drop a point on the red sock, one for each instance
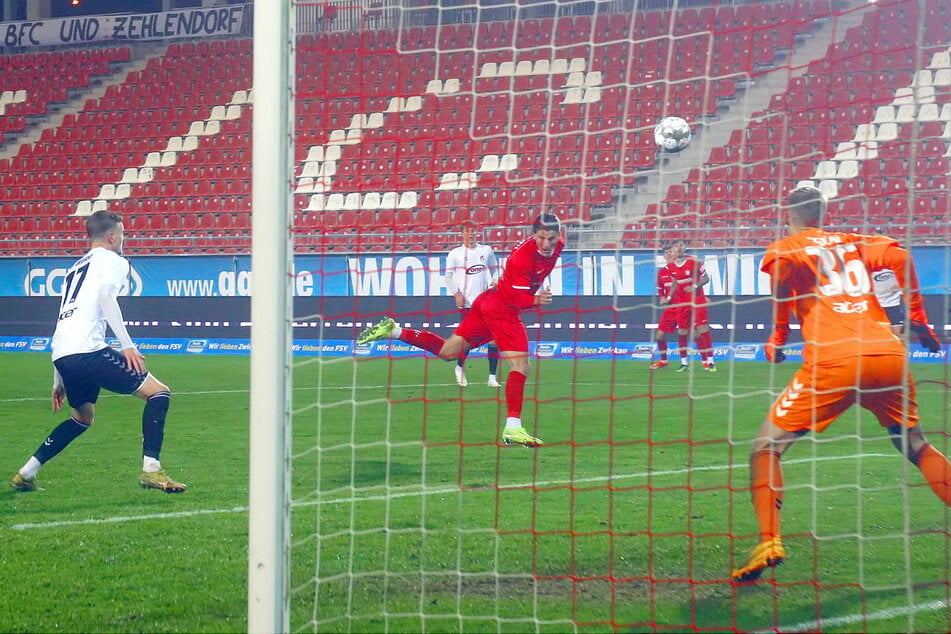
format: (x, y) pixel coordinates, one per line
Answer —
(766, 483)
(422, 339)
(515, 393)
(705, 345)
(937, 471)
(682, 342)
(662, 349)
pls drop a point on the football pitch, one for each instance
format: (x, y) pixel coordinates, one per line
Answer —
(409, 516)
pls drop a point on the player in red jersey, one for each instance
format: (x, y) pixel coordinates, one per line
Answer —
(687, 295)
(851, 355)
(668, 318)
(495, 315)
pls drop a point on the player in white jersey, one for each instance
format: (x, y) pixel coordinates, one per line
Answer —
(470, 269)
(83, 363)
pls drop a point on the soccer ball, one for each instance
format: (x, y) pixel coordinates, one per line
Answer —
(672, 134)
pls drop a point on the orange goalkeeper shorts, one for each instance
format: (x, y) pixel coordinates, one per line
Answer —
(818, 394)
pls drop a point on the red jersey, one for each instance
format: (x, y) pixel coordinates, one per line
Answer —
(824, 278)
(525, 270)
(664, 282)
(690, 269)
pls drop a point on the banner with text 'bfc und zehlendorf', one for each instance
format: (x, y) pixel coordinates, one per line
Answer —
(191, 23)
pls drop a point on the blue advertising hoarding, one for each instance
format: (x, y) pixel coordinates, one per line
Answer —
(580, 273)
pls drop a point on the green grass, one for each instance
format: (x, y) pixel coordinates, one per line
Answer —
(408, 516)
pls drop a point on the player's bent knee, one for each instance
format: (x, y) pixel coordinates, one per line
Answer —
(910, 444)
(85, 415)
(520, 365)
(151, 386)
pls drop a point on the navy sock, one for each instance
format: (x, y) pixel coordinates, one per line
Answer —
(65, 433)
(153, 424)
(493, 355)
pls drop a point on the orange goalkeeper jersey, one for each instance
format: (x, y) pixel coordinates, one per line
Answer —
(824, 278)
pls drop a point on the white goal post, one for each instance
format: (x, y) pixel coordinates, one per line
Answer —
(272, 162)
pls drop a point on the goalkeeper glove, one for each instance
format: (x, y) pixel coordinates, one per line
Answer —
(926, 336)
(774, 345)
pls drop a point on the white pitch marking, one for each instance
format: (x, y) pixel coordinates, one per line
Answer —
(127, 518)
(417, 493)
(878, 615)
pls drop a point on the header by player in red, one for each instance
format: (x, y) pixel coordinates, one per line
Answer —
(851, 355)
(495, 315)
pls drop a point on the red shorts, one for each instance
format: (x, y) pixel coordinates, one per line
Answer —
(693, 317)
(491, 317)
(818, 394)
(683, 317)
(668, 320)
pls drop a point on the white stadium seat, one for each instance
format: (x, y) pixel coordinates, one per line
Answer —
(887, 132)
(825, 169)
(941, 59)
(174, 143)
(829, 188)
(316, 203)
(575, 79)
(508, 162)
(489, 69)
(408, 200)
(906, 113)
(334, 202)
(352, 201)
(847, 169)
(389, 200)
(884, 114)
(845, 151)
(371, 200)
(490, 163)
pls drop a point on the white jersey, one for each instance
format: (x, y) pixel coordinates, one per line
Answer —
(470, 271)
(81, 326)
(887, 289)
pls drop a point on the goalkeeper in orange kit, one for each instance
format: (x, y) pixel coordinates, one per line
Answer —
(850, 355)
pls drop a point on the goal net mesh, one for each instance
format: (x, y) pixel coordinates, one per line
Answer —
(408, 514)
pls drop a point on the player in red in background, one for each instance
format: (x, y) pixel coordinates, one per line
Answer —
(850, 355)
(668, 318)
(495, 315)
(689, 276)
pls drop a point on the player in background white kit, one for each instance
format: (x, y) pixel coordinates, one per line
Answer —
(470, 269)
(83, 363)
